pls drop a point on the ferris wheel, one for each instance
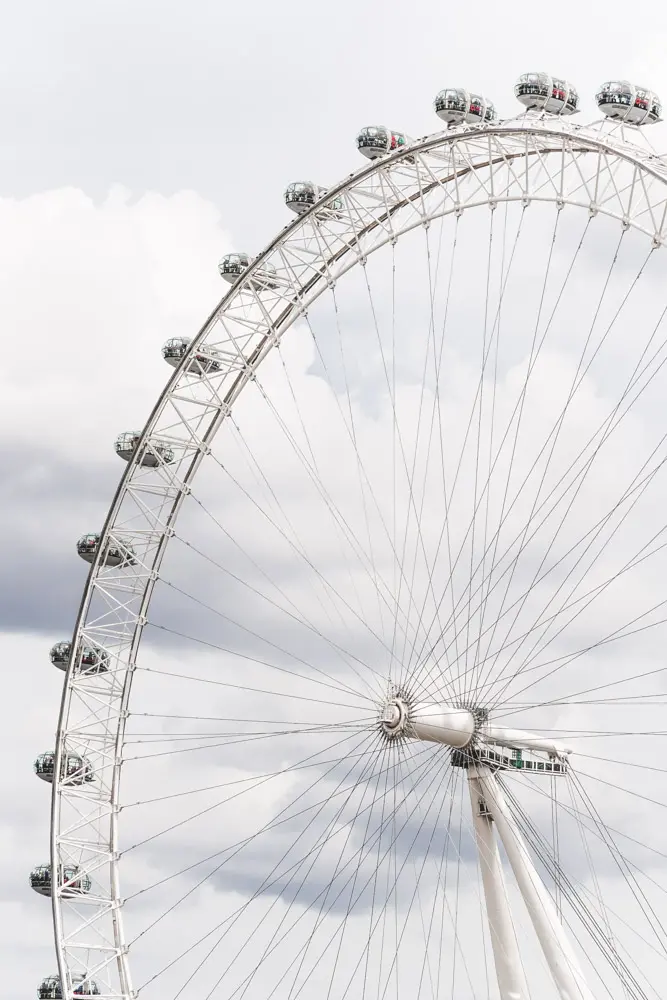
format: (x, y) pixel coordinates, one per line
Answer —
(393, 537)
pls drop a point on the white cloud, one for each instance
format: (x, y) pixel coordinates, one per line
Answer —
(92, 292)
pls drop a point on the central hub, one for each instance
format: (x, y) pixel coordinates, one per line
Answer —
(394, 717)
(436, 723)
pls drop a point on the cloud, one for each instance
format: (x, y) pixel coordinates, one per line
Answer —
(91, 293)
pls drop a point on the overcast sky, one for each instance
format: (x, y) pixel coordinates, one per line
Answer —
(140, 141)
(235, 100)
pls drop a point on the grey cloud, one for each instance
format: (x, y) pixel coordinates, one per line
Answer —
(49, 501)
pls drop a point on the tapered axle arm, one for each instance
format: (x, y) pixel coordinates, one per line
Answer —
(456, 727)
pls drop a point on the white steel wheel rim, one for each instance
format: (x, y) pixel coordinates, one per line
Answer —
(242, 332)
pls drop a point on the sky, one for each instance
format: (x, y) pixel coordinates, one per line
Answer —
(140, 142)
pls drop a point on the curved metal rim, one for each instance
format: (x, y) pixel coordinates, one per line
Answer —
(557, 135)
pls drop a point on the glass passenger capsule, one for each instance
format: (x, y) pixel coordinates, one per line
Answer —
(623, 101)
(302, 195)
(92, 659)
(50, 988)
(541, 92)
(154, 453)
(459, 107)
(73, 768)
(175, 349)
(451, 105)
(233, 265)
(114, 554)
(71, 881)
(480, 110)
(490, 111)
(376, 140)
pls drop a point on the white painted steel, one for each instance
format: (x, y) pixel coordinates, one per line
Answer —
(454, 727)
(523, 161)
(506, 956)
(517, 739)
(558, 952)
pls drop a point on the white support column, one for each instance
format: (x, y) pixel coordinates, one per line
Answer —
(558, 952)
(509, 971)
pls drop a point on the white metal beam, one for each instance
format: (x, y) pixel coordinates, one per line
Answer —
(509, 970)
(558, 952)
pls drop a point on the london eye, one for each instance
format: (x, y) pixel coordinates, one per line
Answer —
(363, 699)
